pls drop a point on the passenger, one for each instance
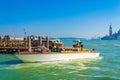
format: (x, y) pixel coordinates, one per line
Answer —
(57, 49)
(41, 48)
(50, 47)
(54, 45)
(93, 50)
(78, 43)
(81, 46)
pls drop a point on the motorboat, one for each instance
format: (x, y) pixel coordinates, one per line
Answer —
(43, 54)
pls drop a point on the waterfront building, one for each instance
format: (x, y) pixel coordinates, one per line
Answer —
(112, 36)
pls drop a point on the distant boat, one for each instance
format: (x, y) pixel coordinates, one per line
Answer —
(60, 54)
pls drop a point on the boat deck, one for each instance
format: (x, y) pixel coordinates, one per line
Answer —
(62, 52)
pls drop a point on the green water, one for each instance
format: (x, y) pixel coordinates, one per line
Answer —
(106, 67)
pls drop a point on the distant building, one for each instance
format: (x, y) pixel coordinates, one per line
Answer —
(112, 36)
(110, 31)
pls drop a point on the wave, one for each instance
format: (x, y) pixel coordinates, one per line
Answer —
(72, 64)
(116, 45)
(99, 77)
(20, 65)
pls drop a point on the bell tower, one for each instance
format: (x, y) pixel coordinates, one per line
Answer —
(110, 30)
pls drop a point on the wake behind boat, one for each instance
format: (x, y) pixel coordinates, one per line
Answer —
(57, 53)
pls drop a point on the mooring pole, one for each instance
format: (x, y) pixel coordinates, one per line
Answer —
(39, 40)
(47, 42)
(29, 44)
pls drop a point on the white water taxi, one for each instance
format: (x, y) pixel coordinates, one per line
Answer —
(54, 56)
(43, 54)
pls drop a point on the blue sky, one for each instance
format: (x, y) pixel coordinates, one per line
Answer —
(59, 18)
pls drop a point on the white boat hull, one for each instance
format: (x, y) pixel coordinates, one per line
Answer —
(55, 56)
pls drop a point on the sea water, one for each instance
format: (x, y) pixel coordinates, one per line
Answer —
(105, 67)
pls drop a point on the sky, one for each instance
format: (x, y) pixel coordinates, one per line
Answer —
(59, 18)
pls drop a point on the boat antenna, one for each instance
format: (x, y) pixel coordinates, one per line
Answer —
(24, 32)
